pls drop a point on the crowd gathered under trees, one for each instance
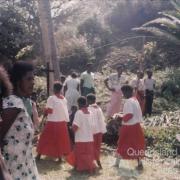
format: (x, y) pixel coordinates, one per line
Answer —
(73, 101)
(74, 98)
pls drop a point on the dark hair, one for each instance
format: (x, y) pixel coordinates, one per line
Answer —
(74, 75)
(91, 98)
(148, 71)
(82, 102)
(62, 77)
(19, 70)
(119, 66)
(127, 91)
(89, 64)
(57, 87)
(5, 84)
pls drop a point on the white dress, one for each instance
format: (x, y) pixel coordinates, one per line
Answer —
(72, 94)
(17, 149)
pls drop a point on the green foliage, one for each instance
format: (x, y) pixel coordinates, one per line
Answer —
(163, 140)
(171, 87)
(19, 26)
(13, 32)
(166, 28)
(74, 51)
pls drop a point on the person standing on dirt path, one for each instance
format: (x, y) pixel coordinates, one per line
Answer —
(149, 84)
(87, 81)
(54, 140)
(139, 91)
(131, 143)
(114, 83)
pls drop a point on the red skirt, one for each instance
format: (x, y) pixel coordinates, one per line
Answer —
(131, 143)
(97, 145)
(82, 158)
(54, 140)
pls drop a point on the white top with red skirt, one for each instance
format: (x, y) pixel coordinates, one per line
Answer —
(132, 106)
(98, 118)
(58, 108)
(85, 125)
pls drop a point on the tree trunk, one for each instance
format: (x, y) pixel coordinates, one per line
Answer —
(48, 41)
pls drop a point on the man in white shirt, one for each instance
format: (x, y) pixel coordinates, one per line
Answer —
(149, 84)
(87, 81)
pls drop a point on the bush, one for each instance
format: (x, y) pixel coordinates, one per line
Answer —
(163, 140)
(171, 88)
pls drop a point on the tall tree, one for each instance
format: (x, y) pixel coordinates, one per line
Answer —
(48, 40)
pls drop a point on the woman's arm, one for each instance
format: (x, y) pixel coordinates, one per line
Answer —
(107, 85)
(127, 117)
(8, 117)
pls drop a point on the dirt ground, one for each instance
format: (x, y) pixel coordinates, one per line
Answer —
(153, 170)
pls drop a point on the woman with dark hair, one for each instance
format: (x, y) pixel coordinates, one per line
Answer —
(54, 140)
(114, 83)
(72, 91)
(5, 90)
(17, 127)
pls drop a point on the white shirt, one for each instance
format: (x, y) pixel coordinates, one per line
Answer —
(149, 84)
(72, 84)
(98, 119)
(116, 82)
(132, 106)
(88, 79)
(138, 83)
(84, 122)
(59, 107)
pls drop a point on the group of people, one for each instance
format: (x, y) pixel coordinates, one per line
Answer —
(87, 126)
(143, 91)
(75, 123)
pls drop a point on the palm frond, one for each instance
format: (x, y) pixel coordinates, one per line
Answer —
(172, 17)
(176, 5)
(163, 22)
(160, 34)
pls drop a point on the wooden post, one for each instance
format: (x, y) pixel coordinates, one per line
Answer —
(48, 41)
(141, 58)
(47, 74)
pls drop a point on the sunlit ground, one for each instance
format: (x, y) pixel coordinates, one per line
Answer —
(153, 170)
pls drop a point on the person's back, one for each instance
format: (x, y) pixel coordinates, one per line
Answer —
(131, 135)
(85, 130)
(98, 119)
(59, 109)
(54, 140)
(99, 126)
(84, 142)
(72, 84)
(132, 105)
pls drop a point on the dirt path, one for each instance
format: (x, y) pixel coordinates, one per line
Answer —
(164, 170)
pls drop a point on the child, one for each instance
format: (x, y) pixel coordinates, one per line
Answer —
(131, 143)
(99, 126)
(138, 85)
(54, 140)
(84, 145)
(149, 83)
